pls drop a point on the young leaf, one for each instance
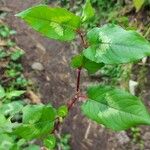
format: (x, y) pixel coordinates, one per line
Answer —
(77, 61)
(114, 108)
(138, 4)
(2, 92)
(50, 142)
(37, 120)
(81, 61)
(62, 111)
(55, 23)
(112, 44)
(88, 11)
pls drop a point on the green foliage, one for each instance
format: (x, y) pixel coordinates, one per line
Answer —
(138, 4)
(14, 93)
(88, 11)
(3, 54)
(109, 106)
(5, 32)
(6, 141)
(32, 147)
(2, 92)
(62, 111)
(63, 142)
(11, 109)
(114, 108)
(79, 61)
(15, 55)
(34, 126)
(111, 44)
(57, 23)
(50, 142)
(12, 90)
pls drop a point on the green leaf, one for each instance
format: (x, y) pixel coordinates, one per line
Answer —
(112, 44)
(32, 147)
(114, 108)
(50, 142)
(14, 93)
(5, 124)
(2, 92)
(138, 4)
(55, 23)
(15, 55)
(79, 61)
(88, 11)
(11, 108)
(6, 142)
(62, 111)
(37, 121)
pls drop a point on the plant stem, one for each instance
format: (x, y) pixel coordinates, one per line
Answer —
(84, 43)
(77, 95)
(78, 79)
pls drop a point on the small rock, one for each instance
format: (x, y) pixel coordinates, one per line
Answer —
(144, 60)
(132, 86)
(122, 137)
(37, 66)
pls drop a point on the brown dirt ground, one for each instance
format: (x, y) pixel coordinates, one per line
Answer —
(56, 83)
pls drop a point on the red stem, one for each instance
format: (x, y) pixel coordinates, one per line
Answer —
(78, 79)
(77, 95)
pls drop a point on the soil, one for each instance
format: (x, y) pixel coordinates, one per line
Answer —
(56, 85)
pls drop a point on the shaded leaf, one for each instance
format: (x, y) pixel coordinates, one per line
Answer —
(114, 108)
(81, 61)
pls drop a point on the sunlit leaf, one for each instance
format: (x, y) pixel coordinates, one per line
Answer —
(114, 108)
(88, 11)
(112, 44)
(62, 111)
(50, 142)
(55, 23)
(138, 4)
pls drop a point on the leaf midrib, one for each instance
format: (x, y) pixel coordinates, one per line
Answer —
(49, 20)
(109, 43)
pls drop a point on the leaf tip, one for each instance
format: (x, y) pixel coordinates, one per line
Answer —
(18, 14)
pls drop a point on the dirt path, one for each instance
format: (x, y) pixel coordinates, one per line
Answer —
(56, 82)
